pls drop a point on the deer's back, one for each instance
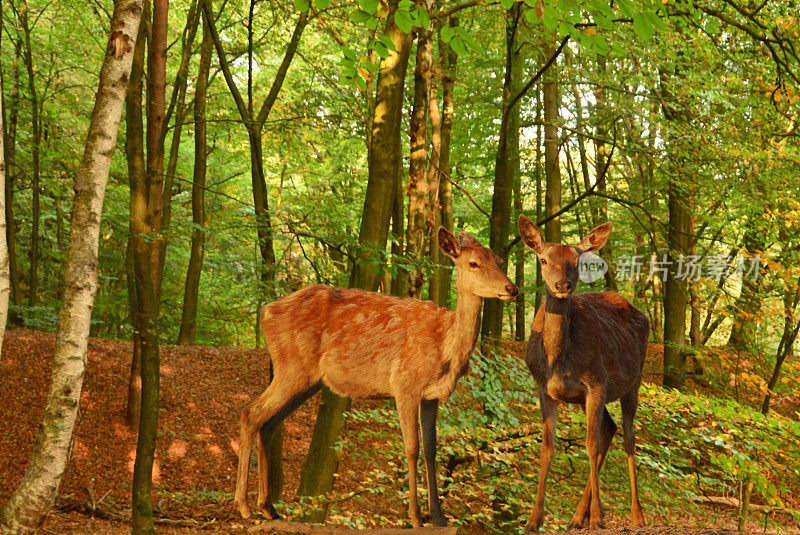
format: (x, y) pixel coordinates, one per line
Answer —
(607, 342)
(356, 342)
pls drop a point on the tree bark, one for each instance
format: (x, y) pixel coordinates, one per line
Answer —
(601, 131)
(505, 165)
(439, 289)
(178, 106)
(552, 170)
(5, 282)
(25, 510)
(134, 154)
(384, 158)
(33, 252)
(418, 186)
(10, 147)
(146, 219)
(749, 301)
(678, 240)
(187, 332)
(384, 168)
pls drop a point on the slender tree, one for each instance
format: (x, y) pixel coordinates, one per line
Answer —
(505, 162)
(146, 218)
(10, 155)
(439, 288)
(134, 153)
(33, 252)
(25, 510)
(5, 282)
(192, 287)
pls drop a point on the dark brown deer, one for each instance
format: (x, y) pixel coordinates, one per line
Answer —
(370, 345)
(588, 350)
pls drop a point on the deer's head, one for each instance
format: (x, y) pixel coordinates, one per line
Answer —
(560, 262)
(479, 270)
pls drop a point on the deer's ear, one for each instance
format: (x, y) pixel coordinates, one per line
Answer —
(596, 239)
(466, 240)
(530, 234)
(448, 243)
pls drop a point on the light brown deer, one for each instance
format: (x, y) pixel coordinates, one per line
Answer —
(585, 349)
(370, 345)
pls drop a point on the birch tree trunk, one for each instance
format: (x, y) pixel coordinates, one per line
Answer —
(25, 510)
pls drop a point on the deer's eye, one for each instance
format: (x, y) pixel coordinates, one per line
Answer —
(544, 262)
(473, 264)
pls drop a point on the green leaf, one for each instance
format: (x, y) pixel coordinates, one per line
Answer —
(423, 20)
(403, 21)
(381, 50)
(458, 45)
(507, 4)
(372, 23)
(369, 5)
(349, 52)
(360, 83)
(405, 5)
(467, 38)
(642, 28)
(302, 5)
(322, 4)
(447, 34)
(625, 8)
(360, 16)
(388, 43)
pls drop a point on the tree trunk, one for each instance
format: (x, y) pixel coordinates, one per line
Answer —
(439, 289)
(384, 168)
(675, 290)
(146, 218)
(552, 170)
(505, 164)
(519, 266)
(10, 147)
(177, 104)
(384, 159)
(25, 510)
(748, 303)
(418, 186)
(600, 162)
(538, 175)
(186, 336)
(33, 252)
(134, 153)
(5, 282)
(676, 115)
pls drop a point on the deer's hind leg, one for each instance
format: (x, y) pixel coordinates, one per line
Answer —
(607, 430)
(428, 410)
(272, 401)
(266, 432)
(629, 403)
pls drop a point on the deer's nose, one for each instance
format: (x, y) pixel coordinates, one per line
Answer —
(512, 290)
(563, 286)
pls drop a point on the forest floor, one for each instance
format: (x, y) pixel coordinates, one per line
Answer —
(203, 390)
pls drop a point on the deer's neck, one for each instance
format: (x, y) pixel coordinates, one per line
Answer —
(460, 338)
(555, 331)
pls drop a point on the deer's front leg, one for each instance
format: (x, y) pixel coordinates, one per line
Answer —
(595, 404)
(549, 409)
(408, 411)
(428, 409)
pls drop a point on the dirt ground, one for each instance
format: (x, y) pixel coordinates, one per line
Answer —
(202, 392)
